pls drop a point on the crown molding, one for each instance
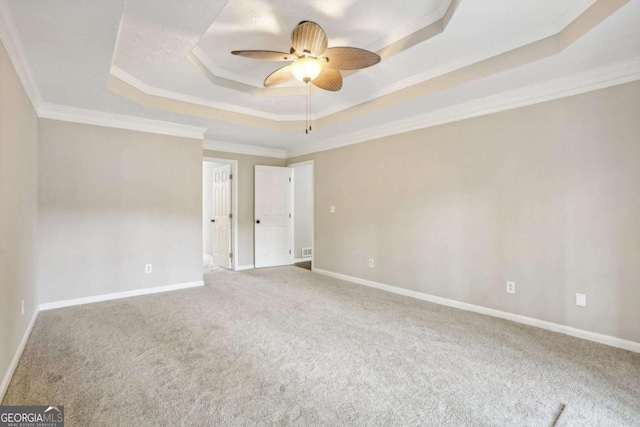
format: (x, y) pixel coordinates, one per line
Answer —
(597, 78)
(251, 150)
(168, 94)
(13, 45)
(118, 121)
(554, 28)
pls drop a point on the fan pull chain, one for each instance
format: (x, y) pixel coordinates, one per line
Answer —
(306, 112)
(307, 105)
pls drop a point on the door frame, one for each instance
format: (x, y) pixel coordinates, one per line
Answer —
(313, 207)
(234, 206)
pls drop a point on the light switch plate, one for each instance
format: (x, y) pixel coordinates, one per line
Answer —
(332, 209)
(581, 300)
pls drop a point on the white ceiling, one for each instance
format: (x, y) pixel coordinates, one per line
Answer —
(267, 25)
(72, 46)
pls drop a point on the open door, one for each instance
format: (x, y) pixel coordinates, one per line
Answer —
(272, 216)
(222, 216)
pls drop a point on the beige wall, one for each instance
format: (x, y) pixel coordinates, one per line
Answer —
(245, 198)
(546, 196)
(111, 201)
(18, 211)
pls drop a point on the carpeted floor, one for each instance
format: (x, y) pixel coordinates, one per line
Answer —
(286, 346)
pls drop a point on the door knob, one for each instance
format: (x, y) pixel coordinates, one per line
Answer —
(258, 222)
(213, 220)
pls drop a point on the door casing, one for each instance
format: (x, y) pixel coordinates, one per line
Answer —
(313, 201)
(234, 203)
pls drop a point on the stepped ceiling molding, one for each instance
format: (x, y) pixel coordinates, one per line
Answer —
(169, 63)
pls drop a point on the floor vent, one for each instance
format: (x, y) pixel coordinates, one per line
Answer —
(307, 252)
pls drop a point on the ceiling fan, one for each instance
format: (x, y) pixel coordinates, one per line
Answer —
(313, 62)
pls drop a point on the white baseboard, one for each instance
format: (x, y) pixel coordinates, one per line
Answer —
(18, 354)
(207, 257)
(543, 324)
(118, 295)
(245, 267)
(303, 259)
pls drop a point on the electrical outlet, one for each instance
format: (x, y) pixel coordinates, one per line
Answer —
(371, 262)
(22, 307)
(581, 300)
(511, 287)
(332, 209)
(148, 268)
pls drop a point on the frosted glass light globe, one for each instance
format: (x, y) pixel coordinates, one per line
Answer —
(306, 69)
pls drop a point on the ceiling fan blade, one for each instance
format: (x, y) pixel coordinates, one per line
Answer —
(328, 79)
(350, 58)
(266, 55)
(280, 75)
(308, 37)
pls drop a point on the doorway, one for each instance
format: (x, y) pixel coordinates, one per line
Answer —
(219, 218)
(283, 217)
(303, 205)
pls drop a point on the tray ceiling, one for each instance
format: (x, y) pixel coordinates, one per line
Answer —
(170, 61)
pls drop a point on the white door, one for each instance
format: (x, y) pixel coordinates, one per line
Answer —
(272, 216)
(222, 216)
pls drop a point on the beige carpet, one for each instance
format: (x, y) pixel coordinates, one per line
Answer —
(285, 346)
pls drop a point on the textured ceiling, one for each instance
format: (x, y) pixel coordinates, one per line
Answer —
(267, 25)
(72, 46)
(154, 42)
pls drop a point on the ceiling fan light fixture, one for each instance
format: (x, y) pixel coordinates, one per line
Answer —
(313, 61)
(306, 69)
